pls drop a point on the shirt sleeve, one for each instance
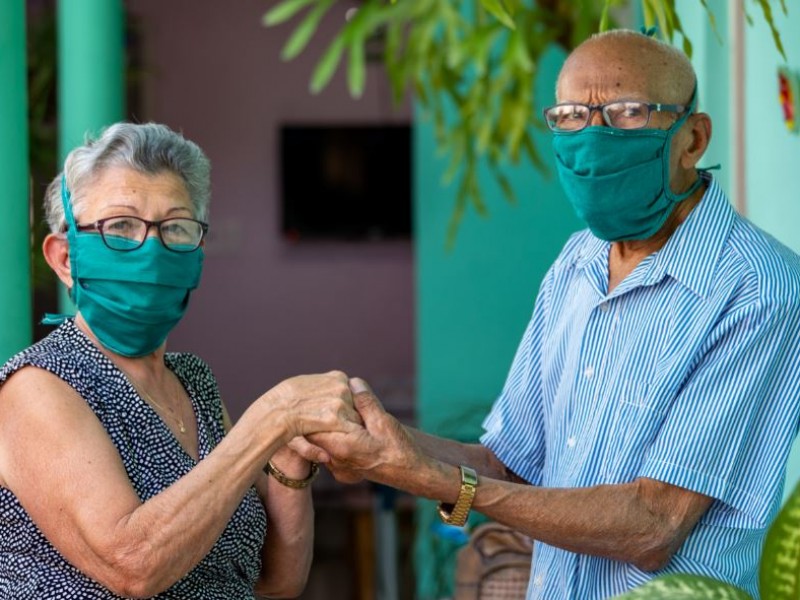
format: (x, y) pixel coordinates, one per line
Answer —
(729, 431)
(514, 428)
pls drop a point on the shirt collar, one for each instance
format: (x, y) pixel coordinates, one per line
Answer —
(691, 253)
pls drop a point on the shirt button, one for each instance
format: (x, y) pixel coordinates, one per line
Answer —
(538, 581)
(604, 307)
(571, 442)
(588, 372)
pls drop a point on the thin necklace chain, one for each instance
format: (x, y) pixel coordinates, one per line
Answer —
(149, 398)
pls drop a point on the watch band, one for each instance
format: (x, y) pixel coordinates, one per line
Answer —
(456, 514)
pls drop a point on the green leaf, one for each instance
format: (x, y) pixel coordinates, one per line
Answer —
(685, 587)
(458, 213)
(284, 11)
(301, 36)
(780, 562)
(326, 67)
(505, 186)
(649, 13)
(712, 19)
(776, 36)
(357, 72)
(496, 8)
(604, 16)
(687, 46)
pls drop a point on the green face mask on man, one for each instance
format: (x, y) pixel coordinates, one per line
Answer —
(617, 180)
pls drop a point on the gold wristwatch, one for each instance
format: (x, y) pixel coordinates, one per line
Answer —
(456, 514)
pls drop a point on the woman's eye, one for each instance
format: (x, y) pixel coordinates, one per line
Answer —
(119, 226)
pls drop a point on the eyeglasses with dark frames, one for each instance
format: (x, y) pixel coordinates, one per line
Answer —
(125, 233)
(621, 114)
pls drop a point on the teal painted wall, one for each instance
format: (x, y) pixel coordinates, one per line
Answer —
(710, 58)
(15, 287)
(772, 153)
(475, 300)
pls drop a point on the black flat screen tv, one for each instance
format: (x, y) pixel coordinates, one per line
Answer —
(345, 182)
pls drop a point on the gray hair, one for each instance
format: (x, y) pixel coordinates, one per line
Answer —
(148, 148)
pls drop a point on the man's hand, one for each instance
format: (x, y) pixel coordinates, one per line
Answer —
(376, 451)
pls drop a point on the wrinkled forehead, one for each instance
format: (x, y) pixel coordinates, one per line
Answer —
(624, 67)
(124, 187)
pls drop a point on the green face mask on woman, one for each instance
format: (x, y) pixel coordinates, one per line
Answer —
(617, 180)
(130, 300)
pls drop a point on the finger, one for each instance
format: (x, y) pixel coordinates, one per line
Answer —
(309, 451)
(340, 375)
(333, 443)
(345, 475)
(367, 405)
(351, 415)
(359, 386)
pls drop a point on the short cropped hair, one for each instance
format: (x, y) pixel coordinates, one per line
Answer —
(149, 148)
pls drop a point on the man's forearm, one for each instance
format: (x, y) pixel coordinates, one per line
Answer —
(454, 453)
(643, 522)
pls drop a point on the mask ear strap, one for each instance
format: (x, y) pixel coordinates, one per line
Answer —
(675, 198)
(72, 232)
(66, 201)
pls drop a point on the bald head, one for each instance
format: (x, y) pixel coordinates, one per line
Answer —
(624, 63)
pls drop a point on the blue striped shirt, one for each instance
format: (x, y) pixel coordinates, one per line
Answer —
(688, 372)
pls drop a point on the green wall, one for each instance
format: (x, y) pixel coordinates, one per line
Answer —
(710, 58)
(15, 285)
(475, 300)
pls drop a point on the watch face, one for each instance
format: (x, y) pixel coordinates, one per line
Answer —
(469, 476)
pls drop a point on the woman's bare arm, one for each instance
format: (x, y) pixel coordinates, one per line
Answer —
(58, 460)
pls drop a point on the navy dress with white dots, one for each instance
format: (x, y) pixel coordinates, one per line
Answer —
(32, 569)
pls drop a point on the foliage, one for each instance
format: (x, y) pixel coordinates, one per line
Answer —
(779, 573)
(474, 59)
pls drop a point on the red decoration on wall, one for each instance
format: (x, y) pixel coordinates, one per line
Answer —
(789, 97)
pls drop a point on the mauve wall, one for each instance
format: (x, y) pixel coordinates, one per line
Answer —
(268, 309)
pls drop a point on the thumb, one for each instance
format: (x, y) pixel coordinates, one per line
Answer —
(359, 386)
(364, 399)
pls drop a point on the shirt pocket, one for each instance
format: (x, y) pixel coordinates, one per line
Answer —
(633, 421)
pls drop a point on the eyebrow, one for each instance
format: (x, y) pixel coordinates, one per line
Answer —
(135, 209)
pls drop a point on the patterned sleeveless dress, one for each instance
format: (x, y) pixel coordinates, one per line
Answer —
(32, 569)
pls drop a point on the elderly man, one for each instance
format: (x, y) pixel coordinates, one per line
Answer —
(649, 412)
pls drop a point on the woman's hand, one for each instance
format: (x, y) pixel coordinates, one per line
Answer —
(309, 404)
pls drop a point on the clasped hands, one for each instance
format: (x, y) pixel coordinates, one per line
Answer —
(365, 443)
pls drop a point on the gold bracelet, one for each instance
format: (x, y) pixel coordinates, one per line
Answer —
(295, 484)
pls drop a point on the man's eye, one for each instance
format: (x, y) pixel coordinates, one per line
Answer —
(570, 113)
(632, 110)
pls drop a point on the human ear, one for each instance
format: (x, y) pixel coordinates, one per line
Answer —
(56, 252)
(698, 132)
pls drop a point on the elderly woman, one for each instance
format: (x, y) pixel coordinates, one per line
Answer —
(120, 473)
